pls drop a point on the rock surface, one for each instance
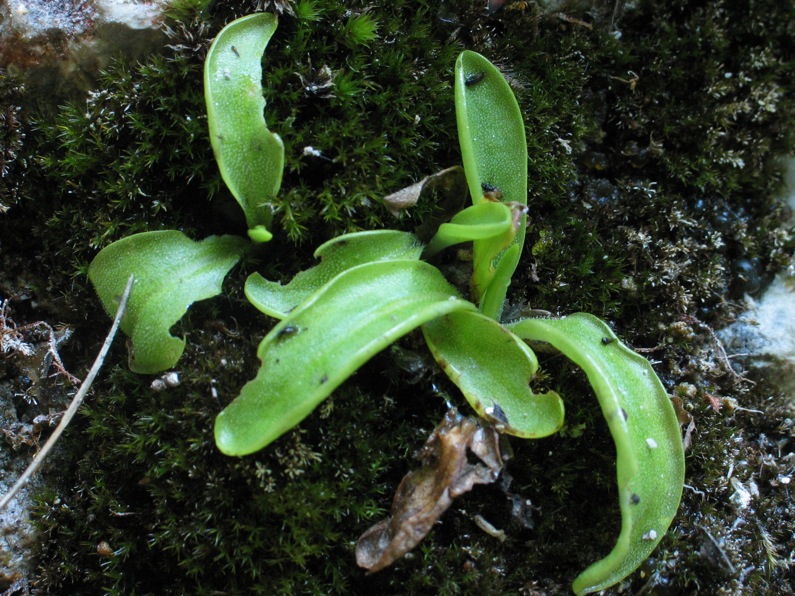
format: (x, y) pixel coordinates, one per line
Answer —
(59, 48)
(766, 330)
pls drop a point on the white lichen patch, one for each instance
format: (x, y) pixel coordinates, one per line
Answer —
(73, 17)
(743, 495)
(134, 14)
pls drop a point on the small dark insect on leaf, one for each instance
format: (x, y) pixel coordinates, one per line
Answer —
(607, 340)
(634, 499)
(474, 78)
(287, 331)
(234, 49)
(490, 192)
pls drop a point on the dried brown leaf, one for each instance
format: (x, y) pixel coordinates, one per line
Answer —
(425, 494)
(451, 182)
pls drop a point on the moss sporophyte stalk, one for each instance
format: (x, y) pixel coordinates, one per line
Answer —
(371, 288)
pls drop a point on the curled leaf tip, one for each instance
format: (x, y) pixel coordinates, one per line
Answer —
(260, 234)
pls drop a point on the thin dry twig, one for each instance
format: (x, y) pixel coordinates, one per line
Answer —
(76, 401)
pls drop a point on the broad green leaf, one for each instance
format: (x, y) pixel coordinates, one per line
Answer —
(650, 458)
(171, 273)
(325, 339)
(493, 368)
(336, 255)
(494, 151)
(250, 157)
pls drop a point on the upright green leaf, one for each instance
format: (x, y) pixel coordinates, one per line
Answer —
(250, 157)
(494, 151)
(171, 273)
(492, 367)
(336, 255)
(325, 339)
(651, 465)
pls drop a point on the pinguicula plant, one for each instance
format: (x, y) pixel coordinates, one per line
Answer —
(370, 288)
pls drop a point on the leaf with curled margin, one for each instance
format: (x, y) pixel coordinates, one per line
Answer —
(494, 151)
(493, 368)
(325, 340)
(650, 465)
(250, 157)
(337, 255)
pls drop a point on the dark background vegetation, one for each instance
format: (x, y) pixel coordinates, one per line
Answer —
(654, 137)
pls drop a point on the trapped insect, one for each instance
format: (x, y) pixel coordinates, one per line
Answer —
(474, 78)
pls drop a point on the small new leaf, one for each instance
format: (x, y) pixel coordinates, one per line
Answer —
(484, 221)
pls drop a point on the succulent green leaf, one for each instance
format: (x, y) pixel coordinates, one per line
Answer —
(250, 157)
(493, 367)
(336, 255)
(494, 151)
(325, 339)
(171, 273)
(650, 457)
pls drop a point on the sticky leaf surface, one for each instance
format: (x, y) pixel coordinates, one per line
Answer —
(493, 367)
(336, 255)
(325, 339)
(494, 151)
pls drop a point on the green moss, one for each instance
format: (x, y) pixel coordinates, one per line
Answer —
(184, 516)
(307, 10)
(134, 157)
(359, 30)
(640, 213)
(13, 129)
(185, 11)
